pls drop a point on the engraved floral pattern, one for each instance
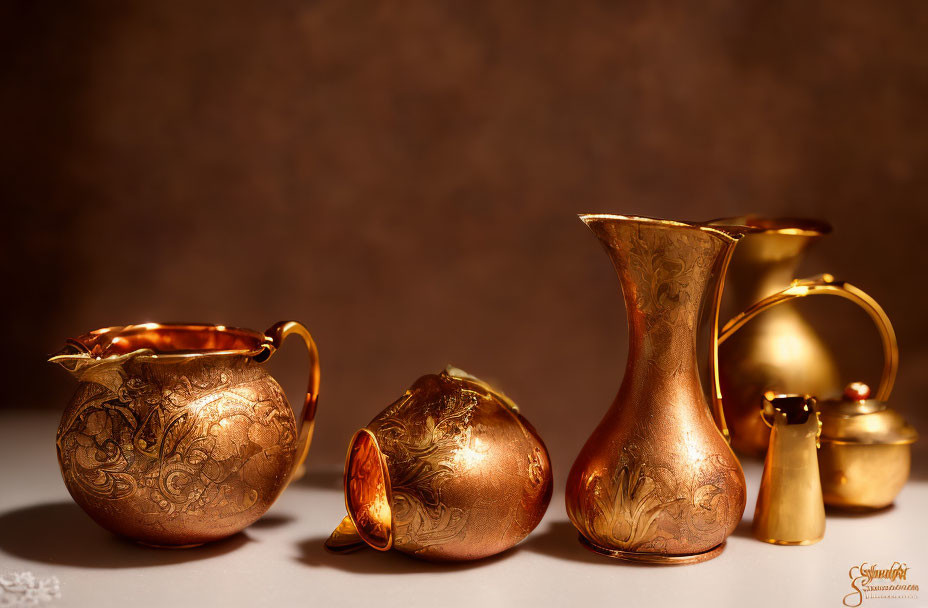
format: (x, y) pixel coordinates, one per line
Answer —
(468, 477)
(640, 508)
(195, 442)
(668, 285)
(666, 274)
(422, 442)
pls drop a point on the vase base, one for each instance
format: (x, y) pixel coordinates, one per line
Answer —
(653, 558)
(791, 543)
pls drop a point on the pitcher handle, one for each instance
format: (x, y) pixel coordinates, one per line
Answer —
(276, 335)
(827, 285)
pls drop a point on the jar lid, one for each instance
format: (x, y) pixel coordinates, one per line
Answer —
(857, 419)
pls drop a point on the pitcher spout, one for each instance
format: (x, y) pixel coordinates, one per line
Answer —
(72, 359)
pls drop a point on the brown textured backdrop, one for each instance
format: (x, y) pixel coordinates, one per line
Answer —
(404, 178)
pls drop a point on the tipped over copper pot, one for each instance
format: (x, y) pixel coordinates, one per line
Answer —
(450, 471)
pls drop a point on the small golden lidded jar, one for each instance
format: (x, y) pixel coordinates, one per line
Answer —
(865, 453)
(450, 471)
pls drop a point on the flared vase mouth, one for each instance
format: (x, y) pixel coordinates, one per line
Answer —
(727, 232)
(368, 492)
(160, 341)
(787, 226)
(587, 218)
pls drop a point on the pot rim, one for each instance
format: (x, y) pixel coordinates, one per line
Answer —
(163, 341)
(783, 225)
(729, 233)
(367, 434)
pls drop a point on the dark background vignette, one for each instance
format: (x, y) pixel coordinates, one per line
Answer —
(404, 178)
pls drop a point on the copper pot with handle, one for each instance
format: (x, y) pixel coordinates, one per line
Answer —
(176, 434)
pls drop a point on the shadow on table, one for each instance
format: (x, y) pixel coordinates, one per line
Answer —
(369, 561)
(323, 480)
(560, 540)
(270, 521)
(838, 513)
(744, 529)
(60, 533)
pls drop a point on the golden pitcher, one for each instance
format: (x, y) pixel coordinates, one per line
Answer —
(656, 481)
(799, 288)
(176, 434)
(779, 351)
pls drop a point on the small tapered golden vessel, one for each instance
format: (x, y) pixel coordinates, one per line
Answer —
(790, 509)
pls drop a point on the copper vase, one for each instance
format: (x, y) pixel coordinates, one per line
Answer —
(657, 481)
(176, 434)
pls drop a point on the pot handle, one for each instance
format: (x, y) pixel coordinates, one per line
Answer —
(827, 285)
(276, 335)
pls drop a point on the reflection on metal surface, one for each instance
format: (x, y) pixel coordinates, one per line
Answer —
(176, 435)
(367, 491)
(827, 285)
(450, 471)
(656, 481)
(866, 450)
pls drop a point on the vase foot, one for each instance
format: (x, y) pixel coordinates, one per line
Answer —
(653, 558)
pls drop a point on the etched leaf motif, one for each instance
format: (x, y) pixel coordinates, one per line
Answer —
(626, 515)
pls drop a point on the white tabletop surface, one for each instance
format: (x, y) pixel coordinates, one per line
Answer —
(280, 561)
